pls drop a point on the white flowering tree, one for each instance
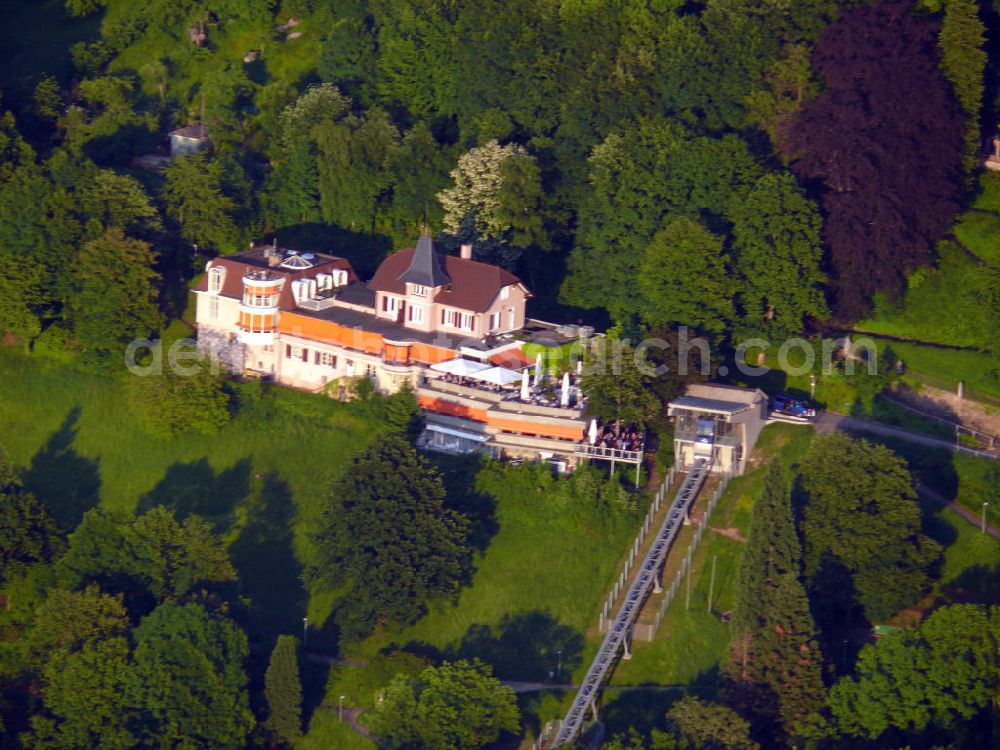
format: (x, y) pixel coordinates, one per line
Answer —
(496, 191)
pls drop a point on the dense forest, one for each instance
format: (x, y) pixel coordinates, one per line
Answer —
(742, 168)
(663, 163)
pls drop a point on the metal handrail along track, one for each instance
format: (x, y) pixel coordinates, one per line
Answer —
(633, 601)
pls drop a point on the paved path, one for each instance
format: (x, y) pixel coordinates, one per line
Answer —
(829, 422)
(936, 497)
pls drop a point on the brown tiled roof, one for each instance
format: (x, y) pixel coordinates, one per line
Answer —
(239, 264)
(473, 285)
(195, 130)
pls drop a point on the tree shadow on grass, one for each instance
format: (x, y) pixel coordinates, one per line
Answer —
(65, 482)
(979, 584)
(195, 488)
(459, 476)
(269, 573)
(530, 647)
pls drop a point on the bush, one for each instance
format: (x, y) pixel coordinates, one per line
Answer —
(171, 403)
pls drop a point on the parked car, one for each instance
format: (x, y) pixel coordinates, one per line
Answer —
(789, 408)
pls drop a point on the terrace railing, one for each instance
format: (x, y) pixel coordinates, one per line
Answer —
(609, 454)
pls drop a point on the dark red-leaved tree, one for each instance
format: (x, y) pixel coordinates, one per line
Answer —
(883, 146)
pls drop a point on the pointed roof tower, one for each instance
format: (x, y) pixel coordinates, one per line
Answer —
(425, 266)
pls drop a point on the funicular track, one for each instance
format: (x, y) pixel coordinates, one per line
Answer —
(618, 632)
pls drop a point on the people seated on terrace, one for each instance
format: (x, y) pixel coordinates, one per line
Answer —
(616, 435)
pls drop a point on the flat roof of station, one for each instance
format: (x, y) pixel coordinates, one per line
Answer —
(707, 404)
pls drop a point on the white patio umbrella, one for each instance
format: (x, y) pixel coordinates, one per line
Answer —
(459, 366)
(564, 396)
(496, 375)
(525, 395)
(538, 369)
(592, 434)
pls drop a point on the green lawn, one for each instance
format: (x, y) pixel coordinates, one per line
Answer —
(327, 732)
(942, 304)
(536, 591)
(979, 231)
(971, 559)
(263, 480)
(917, 314)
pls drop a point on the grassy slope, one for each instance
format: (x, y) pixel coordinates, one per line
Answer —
(536, 589)
(262, 481)
(690, 644)
(941, 305)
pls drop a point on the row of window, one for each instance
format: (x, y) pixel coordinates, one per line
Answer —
(319, 358)
(260, 300)
(324, 359)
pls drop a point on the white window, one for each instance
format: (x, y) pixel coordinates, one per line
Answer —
(213, 308)
(417, 290)
(390, 304)
(511, 318)
(327, 359)
(269, 348)
(416, 314)
(456, 319)
(494, 321)
(215, 278)
(505, 292)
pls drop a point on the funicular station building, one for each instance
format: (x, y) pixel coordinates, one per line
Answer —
(720, 422)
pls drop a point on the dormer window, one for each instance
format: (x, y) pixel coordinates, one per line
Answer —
(418, 290)
(216, 276)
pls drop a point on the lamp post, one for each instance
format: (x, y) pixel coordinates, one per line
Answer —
(982, 527)
(812, 386)
(305, 631)
(340, 709)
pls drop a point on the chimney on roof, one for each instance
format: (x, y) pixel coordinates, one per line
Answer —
(466, 252)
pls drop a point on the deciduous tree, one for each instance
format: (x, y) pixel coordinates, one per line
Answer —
(28, 533)
(684, 279)
(173, 401)
(187, 680)
(168, 558)
(943, 672)
(388, 539)
(859, 510)
(115, 291)
(777, 253)
(458, 704)
(884, 142)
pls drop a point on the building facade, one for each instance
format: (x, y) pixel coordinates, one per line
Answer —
(307, 321)
(722, 422)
